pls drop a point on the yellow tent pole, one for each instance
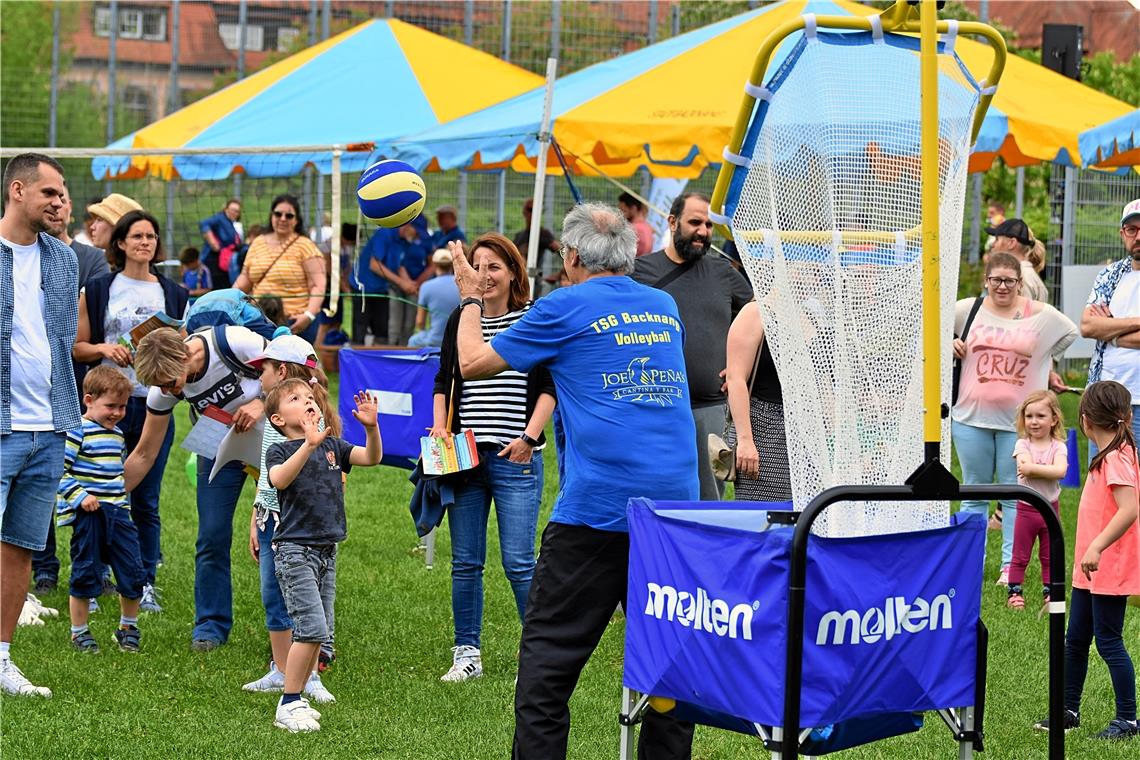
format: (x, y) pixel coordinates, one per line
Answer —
(931, 317)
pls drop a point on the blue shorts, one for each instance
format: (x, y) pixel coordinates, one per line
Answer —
(31, 464)
(105, 537)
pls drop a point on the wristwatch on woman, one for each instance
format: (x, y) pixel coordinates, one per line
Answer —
(468, 301)
(532, 442)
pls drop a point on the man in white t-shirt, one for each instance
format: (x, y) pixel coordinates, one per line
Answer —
(211, 370)
(1112, 317)
(38, 401)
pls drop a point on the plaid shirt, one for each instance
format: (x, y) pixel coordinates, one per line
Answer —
(59, 278)
(1103, 287)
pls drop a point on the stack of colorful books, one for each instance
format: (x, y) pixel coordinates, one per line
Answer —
(453, 453)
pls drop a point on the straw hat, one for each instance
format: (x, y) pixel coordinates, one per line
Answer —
(112, 208)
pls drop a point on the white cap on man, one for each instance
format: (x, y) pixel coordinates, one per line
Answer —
(1131, 211)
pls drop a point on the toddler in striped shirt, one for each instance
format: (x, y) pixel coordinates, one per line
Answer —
(92, 499)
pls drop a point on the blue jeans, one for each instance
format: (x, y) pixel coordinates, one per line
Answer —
(985, 453)
(145, 497)
(31, 464)
(213, 589)
(276, 615)
(105, 536)
(1099, 617)
(1135, 433)
(307, 575)
(517, 492)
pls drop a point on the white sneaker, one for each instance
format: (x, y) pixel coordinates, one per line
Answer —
(92, 606)
(149, 601)
(29, 614)
(296, 717)
(41, 610)
(316, 690)
(272, 681)
(12, 681)
(466, 663)
(1003, 576)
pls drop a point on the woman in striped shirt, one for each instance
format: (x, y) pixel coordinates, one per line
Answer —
(507, 414)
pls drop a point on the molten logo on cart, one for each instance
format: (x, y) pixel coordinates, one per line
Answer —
(895, 617)
(699, 611)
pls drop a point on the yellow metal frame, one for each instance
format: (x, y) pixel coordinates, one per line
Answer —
(899, 18)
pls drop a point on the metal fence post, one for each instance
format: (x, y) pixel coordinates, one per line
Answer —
(555, 49)
(243, 19)
(676, 19)
(1019, 202)
(173, 96)
(53, 102)
(507, 31)
(651, 32)
(975, 218)
(309, 210)
(501, 185)
(112, 66)
(1068, 217)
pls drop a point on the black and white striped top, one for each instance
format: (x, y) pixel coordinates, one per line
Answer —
(495, 407)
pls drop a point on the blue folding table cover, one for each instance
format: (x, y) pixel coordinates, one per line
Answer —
(890, 621)
(403, 381)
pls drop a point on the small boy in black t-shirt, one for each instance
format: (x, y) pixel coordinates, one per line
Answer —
(307, 472)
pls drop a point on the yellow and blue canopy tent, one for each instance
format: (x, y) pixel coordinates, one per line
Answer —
(1113, 145)
(671, 107)
(377, 81)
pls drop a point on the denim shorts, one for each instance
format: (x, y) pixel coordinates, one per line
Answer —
(31, 464)
(307, 575)
(106, 536)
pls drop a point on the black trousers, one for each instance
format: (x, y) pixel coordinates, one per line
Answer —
(578, 583)
(373, 315)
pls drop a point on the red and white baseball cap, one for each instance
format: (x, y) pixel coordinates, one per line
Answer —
(289, 349)
(1130, 211)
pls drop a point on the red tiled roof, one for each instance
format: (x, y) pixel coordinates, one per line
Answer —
(1109, 25)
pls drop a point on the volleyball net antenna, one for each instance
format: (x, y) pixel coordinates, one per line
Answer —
(844, 191)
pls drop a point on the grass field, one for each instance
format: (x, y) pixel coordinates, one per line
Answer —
(393, 639)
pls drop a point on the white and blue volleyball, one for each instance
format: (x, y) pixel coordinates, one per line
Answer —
(391, 193)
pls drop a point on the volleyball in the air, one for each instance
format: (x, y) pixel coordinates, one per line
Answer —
(391, 193)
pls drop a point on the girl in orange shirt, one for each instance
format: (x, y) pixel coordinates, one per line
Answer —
(1107, 559)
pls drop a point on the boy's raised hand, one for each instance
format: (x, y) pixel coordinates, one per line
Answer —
(313, 435)
(366, 409)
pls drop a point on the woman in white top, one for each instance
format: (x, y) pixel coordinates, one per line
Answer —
(109, 308)
(1006, 355)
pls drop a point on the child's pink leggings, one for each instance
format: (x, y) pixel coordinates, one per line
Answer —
(1030, 527)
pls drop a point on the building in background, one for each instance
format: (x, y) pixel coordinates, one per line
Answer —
(1109, 25)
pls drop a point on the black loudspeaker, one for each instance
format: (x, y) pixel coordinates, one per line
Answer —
(1061, 49)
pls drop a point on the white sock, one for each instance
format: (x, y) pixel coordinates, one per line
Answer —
(4, 650)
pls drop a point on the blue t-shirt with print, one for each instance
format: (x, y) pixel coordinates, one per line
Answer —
(364, 278)
(614, 348)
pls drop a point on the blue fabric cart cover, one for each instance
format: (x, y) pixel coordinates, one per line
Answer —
(890, 621)
(402, 382)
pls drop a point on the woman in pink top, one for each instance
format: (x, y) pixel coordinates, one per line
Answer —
(1106, 566)
(1006, 355)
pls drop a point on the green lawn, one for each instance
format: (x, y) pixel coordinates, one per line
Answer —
(394, 634)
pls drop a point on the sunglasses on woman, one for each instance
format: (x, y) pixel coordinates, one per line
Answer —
(284, 215)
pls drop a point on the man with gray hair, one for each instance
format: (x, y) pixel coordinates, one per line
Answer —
(614, 348)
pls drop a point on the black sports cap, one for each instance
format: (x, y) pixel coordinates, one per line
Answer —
(1014, 228)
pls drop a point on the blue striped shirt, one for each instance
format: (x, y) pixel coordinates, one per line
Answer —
(92, 465)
